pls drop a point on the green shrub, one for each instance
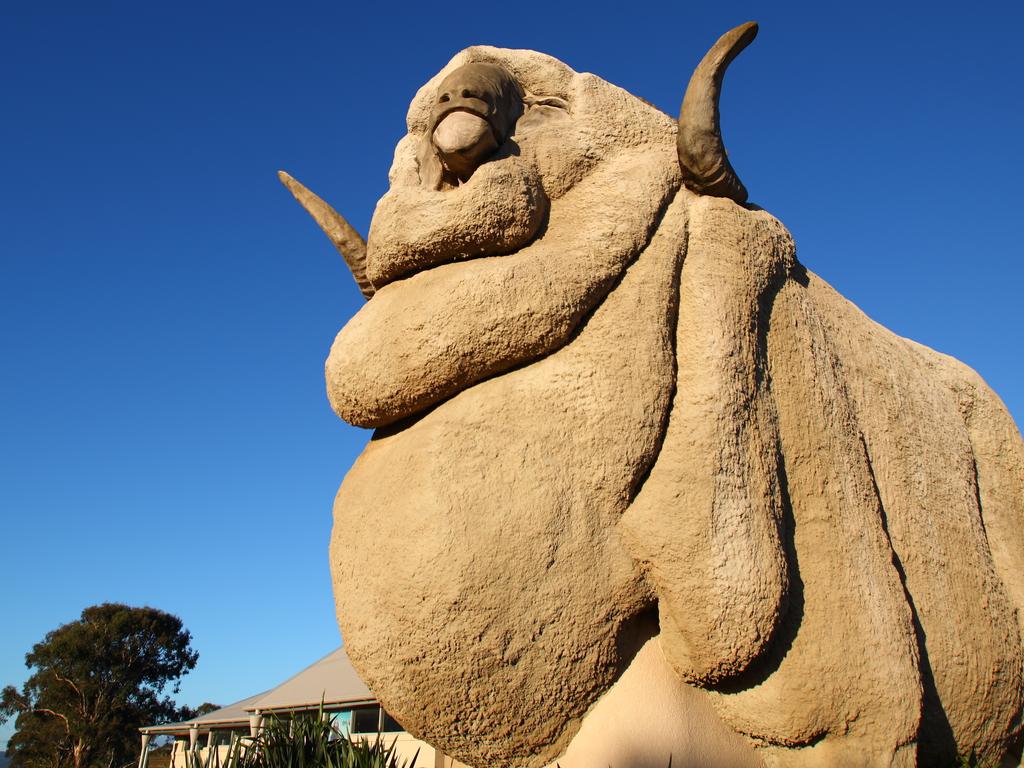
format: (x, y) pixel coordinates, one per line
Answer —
(302, 741)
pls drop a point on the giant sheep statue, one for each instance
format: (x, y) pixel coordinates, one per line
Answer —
(641, 485)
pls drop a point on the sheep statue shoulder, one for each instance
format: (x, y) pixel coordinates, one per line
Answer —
(641, 485)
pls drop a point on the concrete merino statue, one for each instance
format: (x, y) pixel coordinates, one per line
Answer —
(641, 484)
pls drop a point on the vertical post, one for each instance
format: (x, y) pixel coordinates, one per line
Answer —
(144, 754)
(255, 721)
(193, 737)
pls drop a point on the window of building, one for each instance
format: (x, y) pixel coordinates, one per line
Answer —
(390, 724)
(222, 736)
(342, 723)
(372, 720)
(366, 720)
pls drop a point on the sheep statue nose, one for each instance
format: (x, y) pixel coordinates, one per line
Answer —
(475, 112)
(463, 141)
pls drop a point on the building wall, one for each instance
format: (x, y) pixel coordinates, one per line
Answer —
(408, 748)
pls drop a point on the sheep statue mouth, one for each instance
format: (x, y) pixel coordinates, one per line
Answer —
(463, 138)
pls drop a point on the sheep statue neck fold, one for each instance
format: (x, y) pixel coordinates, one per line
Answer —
(642, 485)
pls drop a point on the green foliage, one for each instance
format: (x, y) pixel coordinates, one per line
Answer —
(95, 681)
(309, 741)
(305, 741)
(974, 761)
(188, 713)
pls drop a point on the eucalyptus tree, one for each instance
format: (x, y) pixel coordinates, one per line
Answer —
(94, 682)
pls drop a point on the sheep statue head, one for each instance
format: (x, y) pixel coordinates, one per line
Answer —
(641, 485)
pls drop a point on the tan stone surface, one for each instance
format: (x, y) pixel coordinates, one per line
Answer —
(646, 718)
(635, 459)
(427, 337)
(509, 603)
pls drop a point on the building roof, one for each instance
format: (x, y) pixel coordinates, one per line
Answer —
(232, 714)
(331, 680)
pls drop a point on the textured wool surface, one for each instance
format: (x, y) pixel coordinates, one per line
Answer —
(614, 416)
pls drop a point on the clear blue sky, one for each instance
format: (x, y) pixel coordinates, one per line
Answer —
(165, 306)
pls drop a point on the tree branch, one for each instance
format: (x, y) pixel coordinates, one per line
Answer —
(44, 711)
(71, 683)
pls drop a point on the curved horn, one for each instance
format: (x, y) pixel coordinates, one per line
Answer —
(349, 243)
(706, 169)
